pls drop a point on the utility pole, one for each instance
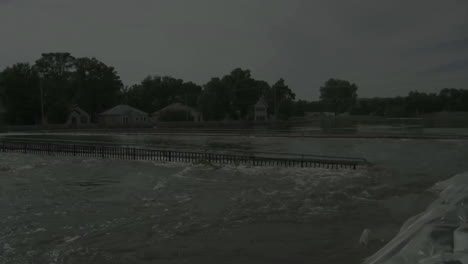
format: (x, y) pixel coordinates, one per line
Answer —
(41, 76)
(275, 104)
(187, 107)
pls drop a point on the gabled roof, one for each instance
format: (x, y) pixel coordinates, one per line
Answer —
(79, 111)
(122, 110)
(176, 107)
(261, 102)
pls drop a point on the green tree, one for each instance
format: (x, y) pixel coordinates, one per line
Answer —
(65, 81)
(96, 86)
(339, 95)
(300, 107)
(57, 70)
(189, 94)
(244, 92)
(20, 87)
(285, 109)
(216, 100)
(280, 100)
(156, 92)
(419, 103)
(454, 99)
(232, 96)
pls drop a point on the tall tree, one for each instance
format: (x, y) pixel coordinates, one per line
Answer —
(20, 87)
(454, 99)
(190, 94)
(216, 100)
(339, 95)
(235, 95)
(419, 103)
(156, 92)
(96, 86)
(243, 90)
(280, 99)
(57, 70)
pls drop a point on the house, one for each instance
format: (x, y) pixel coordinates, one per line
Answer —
(124, 116)
(78, 117)
(178, 112)
(261, 110)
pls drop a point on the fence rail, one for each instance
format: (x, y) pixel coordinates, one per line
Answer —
(133, 153)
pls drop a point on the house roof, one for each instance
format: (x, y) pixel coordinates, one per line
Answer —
(176, 107)
(79, 110)
(261, 102)
(122, 110)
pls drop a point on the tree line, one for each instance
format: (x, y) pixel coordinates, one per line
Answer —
(62, 80)
(230, 97)
(413, 105)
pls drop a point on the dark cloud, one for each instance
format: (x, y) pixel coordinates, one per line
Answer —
(454, 45)
(454, 66)
(380, 45)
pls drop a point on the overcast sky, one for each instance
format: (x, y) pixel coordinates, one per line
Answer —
(387, 47)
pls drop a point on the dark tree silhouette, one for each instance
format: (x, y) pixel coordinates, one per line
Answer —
(339, 95)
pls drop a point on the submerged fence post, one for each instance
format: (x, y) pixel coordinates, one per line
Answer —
(136, 153)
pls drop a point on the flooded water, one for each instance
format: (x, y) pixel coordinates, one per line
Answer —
(76, 210)
(404, 159)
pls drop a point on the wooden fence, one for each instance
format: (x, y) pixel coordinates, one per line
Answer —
(133, 153)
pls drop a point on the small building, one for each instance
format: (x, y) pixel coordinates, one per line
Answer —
(78, 117)
(124, 116)
(261, 110)
(177, 112)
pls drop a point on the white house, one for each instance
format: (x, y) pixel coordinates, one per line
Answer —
(261, 110)
(78, 117)
(191, 112)
(124, 116)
